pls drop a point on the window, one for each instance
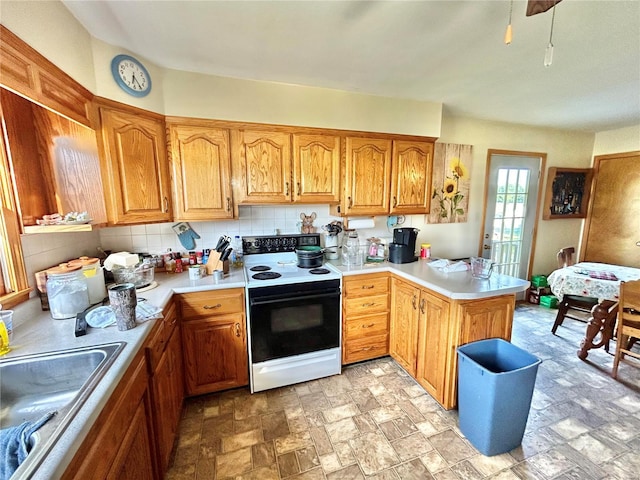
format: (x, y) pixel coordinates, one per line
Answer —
(14, 287)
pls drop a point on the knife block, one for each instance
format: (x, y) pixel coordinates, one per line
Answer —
(214, 263)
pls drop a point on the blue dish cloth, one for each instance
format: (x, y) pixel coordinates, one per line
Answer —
(15, 444)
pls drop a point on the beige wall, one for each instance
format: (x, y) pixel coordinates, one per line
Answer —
(617, 141)
(55, 33)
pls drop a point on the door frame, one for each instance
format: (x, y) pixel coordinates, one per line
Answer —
(543, 164)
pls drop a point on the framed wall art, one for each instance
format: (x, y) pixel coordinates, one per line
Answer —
(567, 194)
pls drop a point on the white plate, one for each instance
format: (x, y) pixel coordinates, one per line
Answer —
(78, 222)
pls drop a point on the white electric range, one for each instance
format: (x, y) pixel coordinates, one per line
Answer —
(293, 314)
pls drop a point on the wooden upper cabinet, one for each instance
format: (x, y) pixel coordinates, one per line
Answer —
(316, 168)
(135, 167)
(25, 71)
(201, 166)
(367, 176)
(411, 177)
(262, 165)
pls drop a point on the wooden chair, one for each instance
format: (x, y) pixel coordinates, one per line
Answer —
(628, 322)
(572, 302)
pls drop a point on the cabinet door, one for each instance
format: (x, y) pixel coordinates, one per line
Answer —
(433, 344)
(136, 171)
(367, 178)
(215, 353)
(487, 318)
(201, 166)
(262, 160)
(316, 169)
(403, 340)
(411, 177)
(134, 455)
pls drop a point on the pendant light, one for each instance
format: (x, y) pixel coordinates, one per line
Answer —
(548, 54)
(508, 35)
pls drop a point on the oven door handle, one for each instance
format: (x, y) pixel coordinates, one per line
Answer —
(279, 298)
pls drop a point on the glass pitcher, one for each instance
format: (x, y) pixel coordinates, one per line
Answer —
(352, 255)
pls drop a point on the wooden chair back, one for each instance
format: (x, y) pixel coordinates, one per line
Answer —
(628, 322)
(565, 257)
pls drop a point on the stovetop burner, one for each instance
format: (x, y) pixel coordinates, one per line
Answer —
(266, 275)
(260, 268)
(319, 271)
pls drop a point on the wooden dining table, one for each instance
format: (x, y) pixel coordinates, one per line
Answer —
(599, 280)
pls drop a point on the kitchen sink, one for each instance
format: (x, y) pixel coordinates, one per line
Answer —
(60, 381)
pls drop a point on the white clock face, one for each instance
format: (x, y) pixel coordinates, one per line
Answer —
(132, 77)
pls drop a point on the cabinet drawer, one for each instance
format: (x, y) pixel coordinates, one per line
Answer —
(365, 349)
(363, 286)
(366, 326)
(160, 339)
(366, 305)
(213, 302)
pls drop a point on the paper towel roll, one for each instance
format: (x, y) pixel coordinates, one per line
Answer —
(360, 222)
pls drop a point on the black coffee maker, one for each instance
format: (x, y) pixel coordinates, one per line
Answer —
(403, 248)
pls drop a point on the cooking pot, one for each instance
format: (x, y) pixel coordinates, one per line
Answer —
(310, 256)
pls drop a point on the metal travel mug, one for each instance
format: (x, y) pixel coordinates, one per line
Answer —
(123, 301)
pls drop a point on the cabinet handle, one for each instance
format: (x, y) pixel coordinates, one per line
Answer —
(422, 304)
(368, 326)
(367, 287)
(395, 201)
(173, 322)
(370, 304)
(413, 302)
(228, 204)
(299, 192)
(211, 307)
(286, 186)
(350, 202)
(237, 330)
(166, 204)
(366, 349)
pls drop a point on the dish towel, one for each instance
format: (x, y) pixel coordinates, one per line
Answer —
(603, 275)
(15, 444)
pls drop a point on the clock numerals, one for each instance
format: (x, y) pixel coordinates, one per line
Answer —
(131, 75)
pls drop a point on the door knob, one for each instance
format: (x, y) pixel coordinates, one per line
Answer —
(487, 247)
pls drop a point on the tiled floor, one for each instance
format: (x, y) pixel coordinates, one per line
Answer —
(374, 421)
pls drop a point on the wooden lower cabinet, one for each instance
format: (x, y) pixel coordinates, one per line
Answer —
(167, 384)
(365, 315)
(403, 341)
(214, 341)
(121, 443)
(426, 328)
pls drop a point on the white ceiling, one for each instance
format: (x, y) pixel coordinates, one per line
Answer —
(440, 51)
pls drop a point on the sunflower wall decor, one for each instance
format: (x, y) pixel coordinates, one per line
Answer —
(450, 183)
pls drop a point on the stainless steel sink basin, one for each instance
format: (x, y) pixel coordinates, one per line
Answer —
(61, 381)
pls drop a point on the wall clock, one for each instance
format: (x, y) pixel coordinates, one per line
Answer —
(130, 75)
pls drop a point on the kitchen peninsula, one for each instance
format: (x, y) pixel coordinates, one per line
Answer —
(428, 314)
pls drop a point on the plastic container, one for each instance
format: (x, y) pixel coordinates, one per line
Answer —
(549, 301)
(237, 256)
(539, 281)
(94, 276)
(67, 291)
(425, 251)
(495, 385)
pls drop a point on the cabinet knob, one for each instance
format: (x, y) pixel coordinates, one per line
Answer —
(237, 330)
(211, 307)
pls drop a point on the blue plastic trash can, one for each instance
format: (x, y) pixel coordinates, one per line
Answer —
(495, 385)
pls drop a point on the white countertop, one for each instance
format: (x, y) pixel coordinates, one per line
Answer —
(455, 285)
(35, 332)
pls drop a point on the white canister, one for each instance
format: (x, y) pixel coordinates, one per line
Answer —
(94, 276)
(331, 247)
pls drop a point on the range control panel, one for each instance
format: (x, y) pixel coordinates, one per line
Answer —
(278, 243)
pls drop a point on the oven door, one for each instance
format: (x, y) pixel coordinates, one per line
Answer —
(287, 320)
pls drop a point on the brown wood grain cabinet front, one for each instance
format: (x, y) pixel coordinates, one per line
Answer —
(121, 442)
(201, 166)
(426, 329)
(214, 341)
(411, 177)
(365, 307)
(135, 170)
(316, 168)
(164, 354)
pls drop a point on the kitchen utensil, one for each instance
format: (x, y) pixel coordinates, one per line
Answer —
(219, 244)
(481, 267)
(225, 254)
(309, 256)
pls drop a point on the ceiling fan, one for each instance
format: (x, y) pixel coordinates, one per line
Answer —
(540, 6)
